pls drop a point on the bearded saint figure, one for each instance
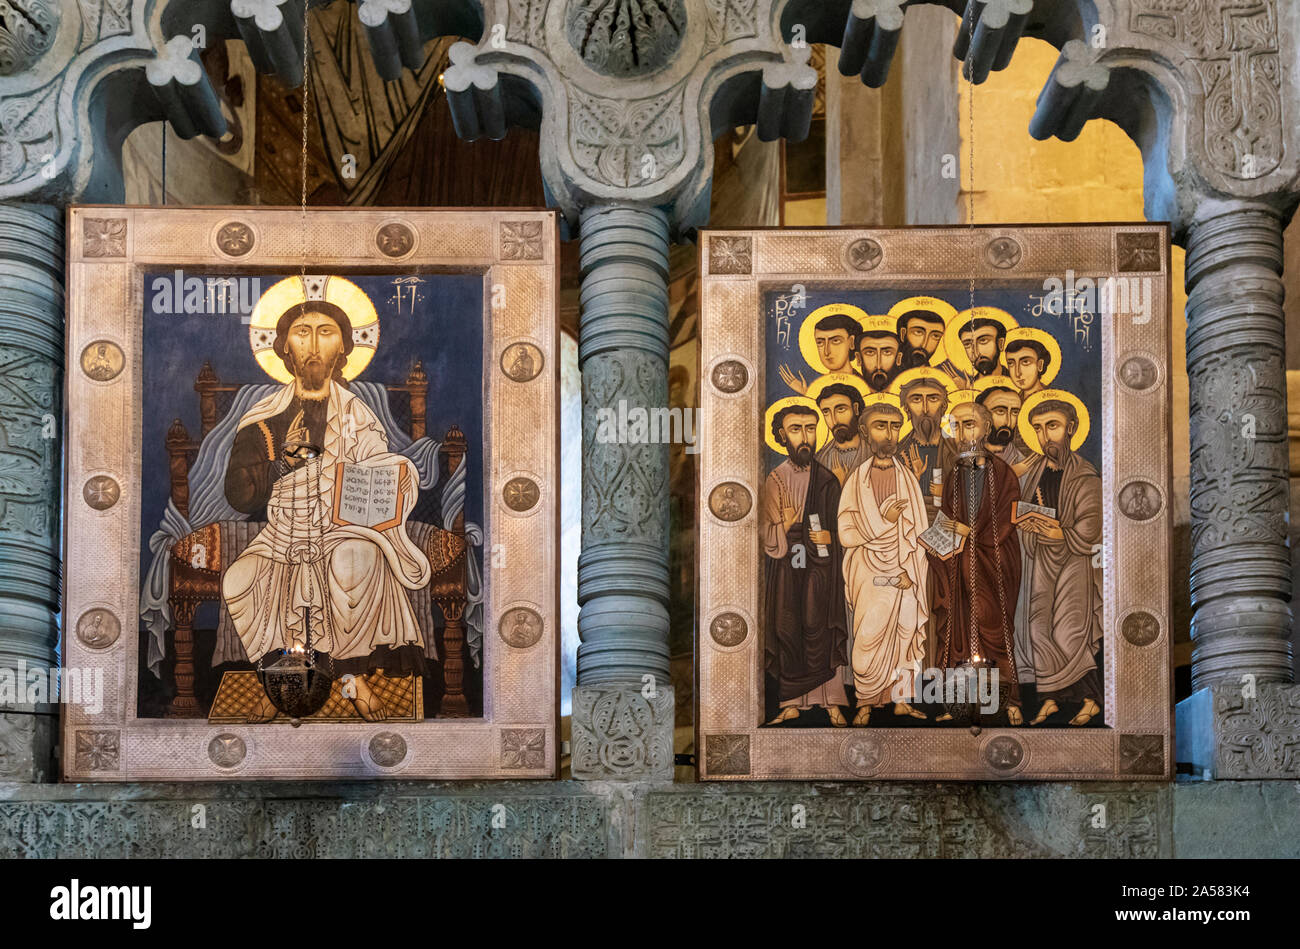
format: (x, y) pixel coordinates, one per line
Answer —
(308, 565)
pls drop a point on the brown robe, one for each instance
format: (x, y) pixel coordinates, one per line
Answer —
(983, 580)
(806, 633)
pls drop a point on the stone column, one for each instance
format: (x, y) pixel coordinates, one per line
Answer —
(31, 418)
(623, 705)
(1241, 720)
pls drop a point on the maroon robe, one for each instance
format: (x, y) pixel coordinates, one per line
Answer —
(969, 581)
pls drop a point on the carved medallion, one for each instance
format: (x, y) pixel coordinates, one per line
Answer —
(98, 629)
(1137, 252)
(730, 376)
(862, 754)
(520, 494)
(730, 501)
(522, 362)
(235, 239)
(97, 750)
(730, 255)
(102, 360)
(521, 240)
(520, 627)
(1003, 252)
(395, 239)
(1137, 372)
(1141, 754)
(523, 748)
(227, 750)
(626, 37)
(726, 754)
(1004, 753)
(101, 492)
(387, 749)
(728, 629)
(865, 254)
(103, 237)
(1140, 500)
(1140, 628)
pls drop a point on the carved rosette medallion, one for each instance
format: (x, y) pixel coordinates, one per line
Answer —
(730, 255)
(103, 237)
(521, 240)
(1137, 252)
(1140, 500)
(1141, 754)
(520, 627)
(235, 239)
(863, 755)
(728, 629)
(102, 360)
(101, 492)
(98, 750)
(865, 254)
(523, 748)
(626, 38)
(730, 376)
(1140, 628)
(522, 362)
(1003, 252)
(227, 750)
(521, 494)
(98, 628)
(394, 239)
(730, 501)
(387, 749)
(726, 754)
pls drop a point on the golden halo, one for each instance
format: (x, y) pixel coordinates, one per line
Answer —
(808, 345)
(823, 433)
(843, 378)
(294, 291)
(942, 307)
(889, 398)
(952, 337)
(959, 397)
(1027, 432)
(1038, 336)
(923, 372)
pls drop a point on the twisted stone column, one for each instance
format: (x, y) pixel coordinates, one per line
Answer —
(31, 359)
(1241, 719)
(623, 706)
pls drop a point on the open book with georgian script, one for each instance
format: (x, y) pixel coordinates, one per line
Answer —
(942, 538)
(368, 496)
(1024, 510)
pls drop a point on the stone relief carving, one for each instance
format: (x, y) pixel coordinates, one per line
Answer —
(626, 37)
(731, 20)
(28, 458)
(97, 750)
(523, 748)
(627, 143)
(1258, 737)
(619, 733)
(27, 30)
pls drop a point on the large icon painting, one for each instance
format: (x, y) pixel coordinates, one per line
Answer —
(947, 530)
(315, 476)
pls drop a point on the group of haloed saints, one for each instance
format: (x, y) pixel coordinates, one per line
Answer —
(932, 513)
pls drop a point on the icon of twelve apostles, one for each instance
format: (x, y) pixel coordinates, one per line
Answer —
(932, 513)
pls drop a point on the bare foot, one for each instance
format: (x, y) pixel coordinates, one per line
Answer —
(837, 717)
(787, 713)
(1090, 708)
(1048, 708)
(1014, 717)
(264, 712)
(902, 708)
(945, 717)
(367, 703)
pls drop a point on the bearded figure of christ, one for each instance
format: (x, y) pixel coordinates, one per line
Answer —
(1062, 586)
(349, 582)
(882, 514)
(976, 589)
(803, 610)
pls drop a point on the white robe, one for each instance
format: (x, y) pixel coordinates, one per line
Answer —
(888, 623)
(363, 574)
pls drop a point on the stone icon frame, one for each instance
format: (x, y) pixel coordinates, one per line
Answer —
(110, 249)
(738, 267)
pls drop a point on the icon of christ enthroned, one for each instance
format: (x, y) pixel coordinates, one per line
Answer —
(313, 462)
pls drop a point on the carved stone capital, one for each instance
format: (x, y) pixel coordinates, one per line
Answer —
(623, 733)
(1241, 730)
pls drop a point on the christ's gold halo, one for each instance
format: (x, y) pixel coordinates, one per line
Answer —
(952, 344)
(808, 345)
(1046, 339)
(1027, 432)
(294, 291)
(888, 398)
(823, 433)
(942, 307)
(937, 376)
